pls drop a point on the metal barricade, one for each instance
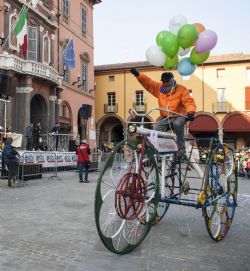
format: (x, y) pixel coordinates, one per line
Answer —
(28, 168)
(98, 160)
(59, 142)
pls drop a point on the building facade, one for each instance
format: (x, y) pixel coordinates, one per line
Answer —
(40, 87)
(220, 87)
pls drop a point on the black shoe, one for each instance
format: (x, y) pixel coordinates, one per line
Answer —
(86, 181)
(80, 181)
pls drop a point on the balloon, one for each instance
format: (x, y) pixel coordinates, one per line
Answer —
(176, 22)
(171, 63)
(183, 52)
(196, 58)
(206, 41)
(170, 44)
(185, 67)
(160, 36)
(199, 27)
(187, 35)
(155, 56)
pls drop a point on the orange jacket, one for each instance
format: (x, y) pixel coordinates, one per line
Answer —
(178, 100)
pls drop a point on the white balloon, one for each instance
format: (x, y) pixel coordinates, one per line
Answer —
(183, 52)
(176, 22)
(155, 56)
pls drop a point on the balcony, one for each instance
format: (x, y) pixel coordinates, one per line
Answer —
(221, 107)
(140, 107)
(110, 108)
(28, 67)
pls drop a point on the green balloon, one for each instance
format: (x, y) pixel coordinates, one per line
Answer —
(196, 58)
(187, 35)
(171, 63)
(160, 36)
(170, 44)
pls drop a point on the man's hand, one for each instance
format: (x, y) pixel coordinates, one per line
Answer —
(134, 71)
(190, 116)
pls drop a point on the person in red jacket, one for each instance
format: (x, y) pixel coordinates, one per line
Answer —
(83, 160)
(173, 97)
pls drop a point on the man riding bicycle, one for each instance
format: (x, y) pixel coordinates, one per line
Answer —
(173, 97)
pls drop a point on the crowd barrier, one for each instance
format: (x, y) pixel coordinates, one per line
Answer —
(33, 164)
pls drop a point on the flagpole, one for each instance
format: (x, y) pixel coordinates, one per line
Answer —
(14, 25)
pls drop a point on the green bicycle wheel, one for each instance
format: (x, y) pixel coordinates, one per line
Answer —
(126, 196)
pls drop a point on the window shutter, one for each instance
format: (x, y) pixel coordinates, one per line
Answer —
(247, 98)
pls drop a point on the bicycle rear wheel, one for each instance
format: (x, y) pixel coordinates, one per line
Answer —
(220, 194)
(126, 197)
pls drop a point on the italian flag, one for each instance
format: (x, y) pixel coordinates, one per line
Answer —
(20, 31)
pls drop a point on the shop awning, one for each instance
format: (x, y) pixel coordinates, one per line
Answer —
(203, 123)
(237, 123)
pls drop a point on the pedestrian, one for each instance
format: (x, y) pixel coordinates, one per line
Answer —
(10, 160)
(173, 97)
(248, 166)
(244, 167)
(37, 136)
(56, 131)
(29, 136)
(83, 160)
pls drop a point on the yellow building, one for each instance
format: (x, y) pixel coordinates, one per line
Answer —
(220, 87)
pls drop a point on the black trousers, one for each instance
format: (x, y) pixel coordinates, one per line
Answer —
(12, 171)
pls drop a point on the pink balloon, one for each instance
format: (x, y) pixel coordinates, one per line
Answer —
(206, 41)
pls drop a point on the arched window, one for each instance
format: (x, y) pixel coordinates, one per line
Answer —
(65, 118)
(12, 39)
(46, 49)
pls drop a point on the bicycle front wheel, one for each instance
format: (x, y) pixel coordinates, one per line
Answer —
(126, 196)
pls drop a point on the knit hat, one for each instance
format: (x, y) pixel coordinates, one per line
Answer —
(166, 77)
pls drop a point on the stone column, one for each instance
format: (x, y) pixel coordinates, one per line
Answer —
(98, 138)
(220, 134)
(58, 104)
(22, 108)
(52, 108)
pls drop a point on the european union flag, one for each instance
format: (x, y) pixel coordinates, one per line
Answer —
(69, 55)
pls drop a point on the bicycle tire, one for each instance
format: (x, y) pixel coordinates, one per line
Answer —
(220, 203)
(126, 197)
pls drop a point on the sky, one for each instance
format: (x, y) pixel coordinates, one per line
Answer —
(125, 29)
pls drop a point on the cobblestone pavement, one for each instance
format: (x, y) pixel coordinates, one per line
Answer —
(49, 225)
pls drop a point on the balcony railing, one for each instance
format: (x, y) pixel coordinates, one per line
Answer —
(222, 107)
(140, 107)
(110, 108)
(22, 66)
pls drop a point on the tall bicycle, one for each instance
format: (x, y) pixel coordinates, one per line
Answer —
(143, 176)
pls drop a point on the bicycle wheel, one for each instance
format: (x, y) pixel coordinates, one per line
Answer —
(229, 159)
(126, 197)
(220, 203)
(169, 191)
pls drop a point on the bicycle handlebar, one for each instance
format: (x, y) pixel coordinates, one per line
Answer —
(132, 111)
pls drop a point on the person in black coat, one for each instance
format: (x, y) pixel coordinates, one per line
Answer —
(37, 135)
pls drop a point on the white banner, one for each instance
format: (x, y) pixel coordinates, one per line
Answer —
(49, 159)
